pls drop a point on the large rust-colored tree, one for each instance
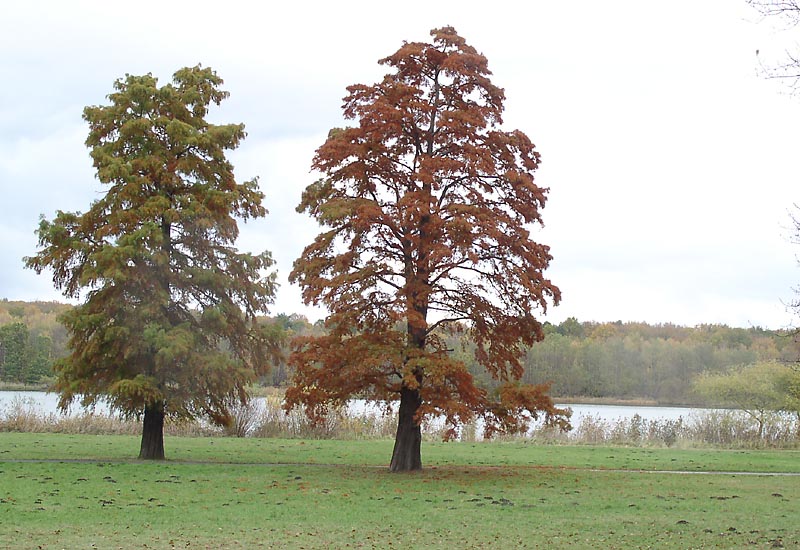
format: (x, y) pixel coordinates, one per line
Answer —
(426, 207)
(168, 327)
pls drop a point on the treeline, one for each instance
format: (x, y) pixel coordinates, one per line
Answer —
(31, 339)
(617, 360)
(646, 362)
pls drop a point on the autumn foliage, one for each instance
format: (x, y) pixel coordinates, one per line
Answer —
(426, 207)
(168, 325)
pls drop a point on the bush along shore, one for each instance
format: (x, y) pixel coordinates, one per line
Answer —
(266, 418)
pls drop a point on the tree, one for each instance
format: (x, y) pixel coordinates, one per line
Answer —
(788, 383)
(758, 390)
(41, 358)
(14, 356)
(168, 327)
(427, 207)
(787, 11)
(571, 327)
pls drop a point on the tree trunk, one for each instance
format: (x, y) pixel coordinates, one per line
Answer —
(153, 433)
(406, 456)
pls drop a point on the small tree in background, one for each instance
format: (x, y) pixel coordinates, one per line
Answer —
(427, 207)
(789, 385)
(168, 327)
(759, 390)
(14, 352)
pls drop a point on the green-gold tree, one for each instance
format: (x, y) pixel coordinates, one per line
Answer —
(168, 322)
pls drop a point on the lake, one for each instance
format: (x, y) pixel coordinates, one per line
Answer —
(47, 403)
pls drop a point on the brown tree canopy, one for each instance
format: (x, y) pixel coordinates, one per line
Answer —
(427, 207)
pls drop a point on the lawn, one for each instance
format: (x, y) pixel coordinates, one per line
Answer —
(250, 493)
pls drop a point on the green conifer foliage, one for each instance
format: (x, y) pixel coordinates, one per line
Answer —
(168, 323)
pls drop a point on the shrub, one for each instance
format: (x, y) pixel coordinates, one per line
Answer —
(266, 418)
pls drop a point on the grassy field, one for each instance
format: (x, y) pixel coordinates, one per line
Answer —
(85, 492)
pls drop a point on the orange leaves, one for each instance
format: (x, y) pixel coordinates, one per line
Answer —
(425, 202)
(333, 368)
(518, 404)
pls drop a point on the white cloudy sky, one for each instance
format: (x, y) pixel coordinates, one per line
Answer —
(672, 165)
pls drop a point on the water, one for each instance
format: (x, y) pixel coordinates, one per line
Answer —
(47, 403)
(43, 403)
(610, 413)
(613, 413)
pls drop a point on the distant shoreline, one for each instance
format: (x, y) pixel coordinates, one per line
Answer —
(643, 402)
(271, 391)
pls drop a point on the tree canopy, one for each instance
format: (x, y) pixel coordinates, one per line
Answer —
(168, 324)
(757, 389)
(427, 208)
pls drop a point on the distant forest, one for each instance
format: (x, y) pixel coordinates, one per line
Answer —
(647, 362)
(620, 361)
(31, 339)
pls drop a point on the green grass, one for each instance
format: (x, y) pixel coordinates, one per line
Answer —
(15, 445)
(486, 495)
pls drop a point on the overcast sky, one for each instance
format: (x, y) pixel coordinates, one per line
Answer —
(672, 165)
